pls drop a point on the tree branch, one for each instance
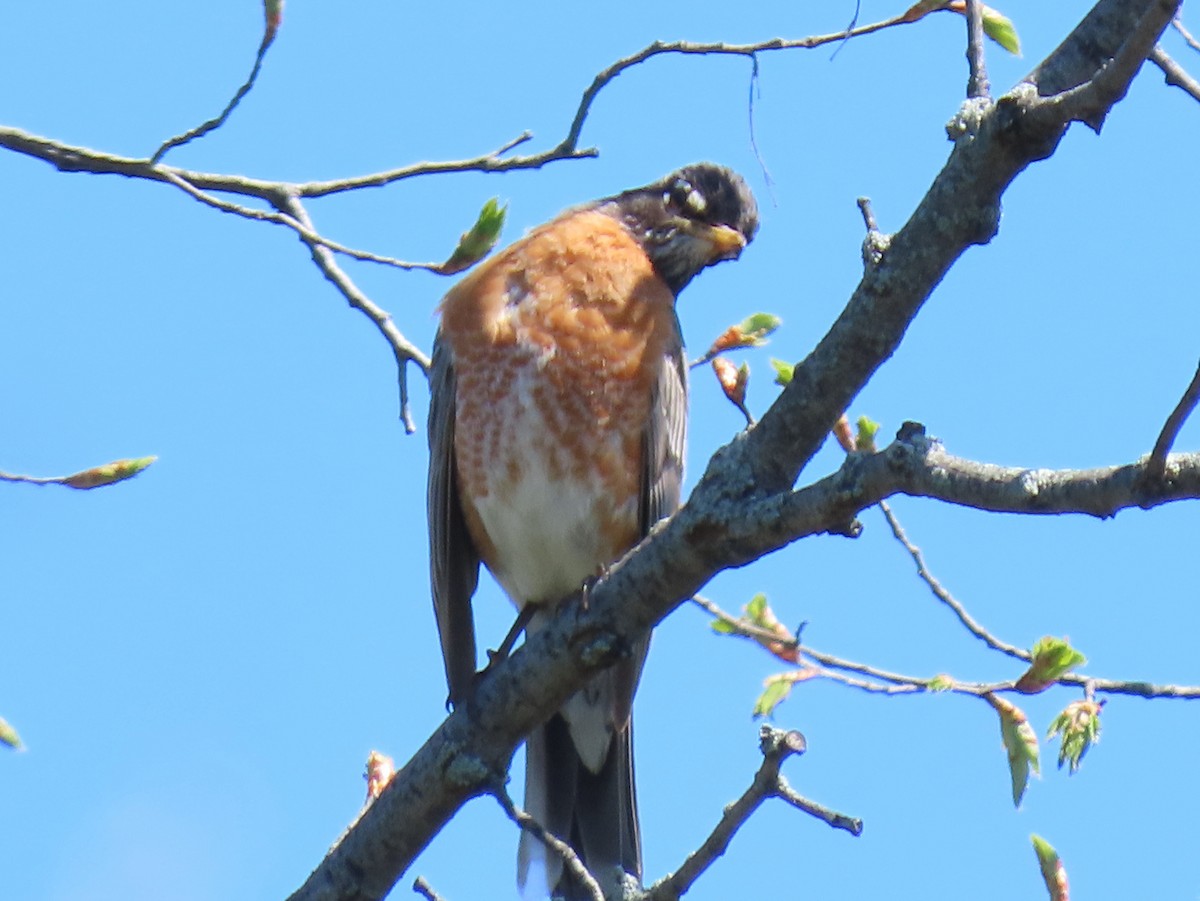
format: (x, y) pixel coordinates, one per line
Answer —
(977, 82)
(404, 350)
(425, 890)
(1175, 74)
(943, 595)
(556, 845)
(1156, 466)
(776, 746)
(216, 122)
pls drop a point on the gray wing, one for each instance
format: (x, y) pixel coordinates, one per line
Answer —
(662, 480)
(453, 559)
(666, 436)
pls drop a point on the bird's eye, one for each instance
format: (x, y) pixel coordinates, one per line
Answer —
(686, 198)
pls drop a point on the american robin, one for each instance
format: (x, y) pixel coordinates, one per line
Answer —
(556, 439)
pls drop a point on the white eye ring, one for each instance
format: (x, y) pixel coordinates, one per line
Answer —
(687, 197)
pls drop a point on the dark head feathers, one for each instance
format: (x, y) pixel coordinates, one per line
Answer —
(692, 218)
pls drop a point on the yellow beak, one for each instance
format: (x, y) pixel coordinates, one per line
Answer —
(727, 243)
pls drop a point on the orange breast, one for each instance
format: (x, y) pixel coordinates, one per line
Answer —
(556, 343)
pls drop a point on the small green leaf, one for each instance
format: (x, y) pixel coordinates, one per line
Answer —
(755, 329)
(1054, 874)
(1079, 725)
(1053, 658)
(756, 610)
(478, 242)
(8, 735)
(1020, 744)
(867, 430)
(722, 628)
(775, 692)
(109, 473)
(783, 371)
(940, 682)
(1001, 30)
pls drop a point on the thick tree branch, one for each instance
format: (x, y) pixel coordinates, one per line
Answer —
(920, 467)
(721, 525)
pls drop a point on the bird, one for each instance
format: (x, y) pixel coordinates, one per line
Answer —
(556, 435)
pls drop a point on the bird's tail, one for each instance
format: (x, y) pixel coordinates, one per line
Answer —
(594, 812)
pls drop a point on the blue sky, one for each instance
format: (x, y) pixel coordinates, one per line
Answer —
(199, 660)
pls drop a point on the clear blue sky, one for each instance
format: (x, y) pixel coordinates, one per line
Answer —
(199, 660)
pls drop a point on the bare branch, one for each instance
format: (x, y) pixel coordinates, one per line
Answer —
(776, 746)
(1175, 74)
(1156, 466)
(1134, 688)
(881, 681)
(206, 127)
(940, 592)
(1177, 24)
(1090, 101)
(31, 480)
(556, 845)
(919, 467)
(238, 209)
(977, 82)
(72, 158)
(404, 350)
(488, 162)
(425, 890)
(688, 47)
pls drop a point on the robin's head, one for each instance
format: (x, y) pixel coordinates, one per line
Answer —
(700, 215)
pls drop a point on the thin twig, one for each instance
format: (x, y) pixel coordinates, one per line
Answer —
(868, 214)
(940, 592)
(898, 682)
(404, 350)
(837, 820)
(569, 858)
(756, 92)
(744, 627)
(1156, 466)
(277, 218)
(777, 745)
(423, 888)
(977, 81)
(689, 47)
(1175, 74)
(1134, 688)
(875, 243)
(206, 127)
(31, 480)
(1177, 23)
